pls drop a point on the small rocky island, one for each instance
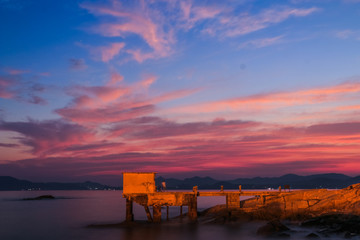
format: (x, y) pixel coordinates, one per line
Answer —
(42, 197)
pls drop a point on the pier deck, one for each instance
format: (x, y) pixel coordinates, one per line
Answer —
(187, 198)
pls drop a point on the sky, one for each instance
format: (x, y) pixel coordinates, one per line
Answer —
(227, 89)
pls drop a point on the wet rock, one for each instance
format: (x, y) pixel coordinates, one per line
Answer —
(272, 229)
(349, 235)
(312, 236)
(336, 223)
(283, 235)
(42, 197)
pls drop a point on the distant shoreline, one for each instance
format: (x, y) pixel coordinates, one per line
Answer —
(318, 181)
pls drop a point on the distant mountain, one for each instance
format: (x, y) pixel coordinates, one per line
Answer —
(10, 184)
(330, 180)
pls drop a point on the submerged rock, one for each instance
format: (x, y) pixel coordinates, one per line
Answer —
(42, 197)
(273, 229)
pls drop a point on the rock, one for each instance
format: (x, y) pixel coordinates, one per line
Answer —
(272, 229)
(349, 235)
(42, 197)
(283, 235)
(312, 236)
(346, 224)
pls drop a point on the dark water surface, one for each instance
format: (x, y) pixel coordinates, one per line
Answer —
(68, 216)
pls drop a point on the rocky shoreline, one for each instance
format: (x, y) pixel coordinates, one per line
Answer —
(324, 213)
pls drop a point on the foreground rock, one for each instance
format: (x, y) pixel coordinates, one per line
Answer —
(347, 225)
(42, 197)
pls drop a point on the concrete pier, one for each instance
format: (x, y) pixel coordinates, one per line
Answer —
(140, 188)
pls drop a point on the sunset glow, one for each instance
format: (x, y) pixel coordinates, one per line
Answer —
(90, 89)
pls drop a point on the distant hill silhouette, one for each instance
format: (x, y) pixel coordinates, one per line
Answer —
(10, 184)
(330, 180)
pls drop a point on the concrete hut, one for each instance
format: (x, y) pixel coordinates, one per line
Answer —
(140, 187)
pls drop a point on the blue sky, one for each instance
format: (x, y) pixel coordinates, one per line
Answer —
(112, 86)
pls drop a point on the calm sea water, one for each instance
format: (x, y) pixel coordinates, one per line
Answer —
(68, 215)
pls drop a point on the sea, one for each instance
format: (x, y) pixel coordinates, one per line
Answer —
(72, 212)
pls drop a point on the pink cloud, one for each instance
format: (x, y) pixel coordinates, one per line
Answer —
(109, 52)
(13, 71)
(196, 148)
(115, 79)
(45, 74)
(191, 14)
(115, 101)
(107, 114)
(265, 102)
(5, 87)
(152, 127)
(16, 88)
(147, 82)
(45, 137)
(263, 42)
(352, 107)
(159, 31)
(348, 128)
(244, 23)
(140, 22)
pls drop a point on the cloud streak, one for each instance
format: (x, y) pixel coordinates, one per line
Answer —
(44, 137)
(160, 31)
(114, 102)
(263, 42)
(277, 101)
(16, 88)
(132, 21)
(109, 52)
(244, 23)
(77, 64)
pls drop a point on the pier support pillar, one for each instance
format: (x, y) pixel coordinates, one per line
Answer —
(148, 214)
(157, 214)
(180, 210)
(129, 210)
(233, 200)
(192, 208)
(167, 213)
